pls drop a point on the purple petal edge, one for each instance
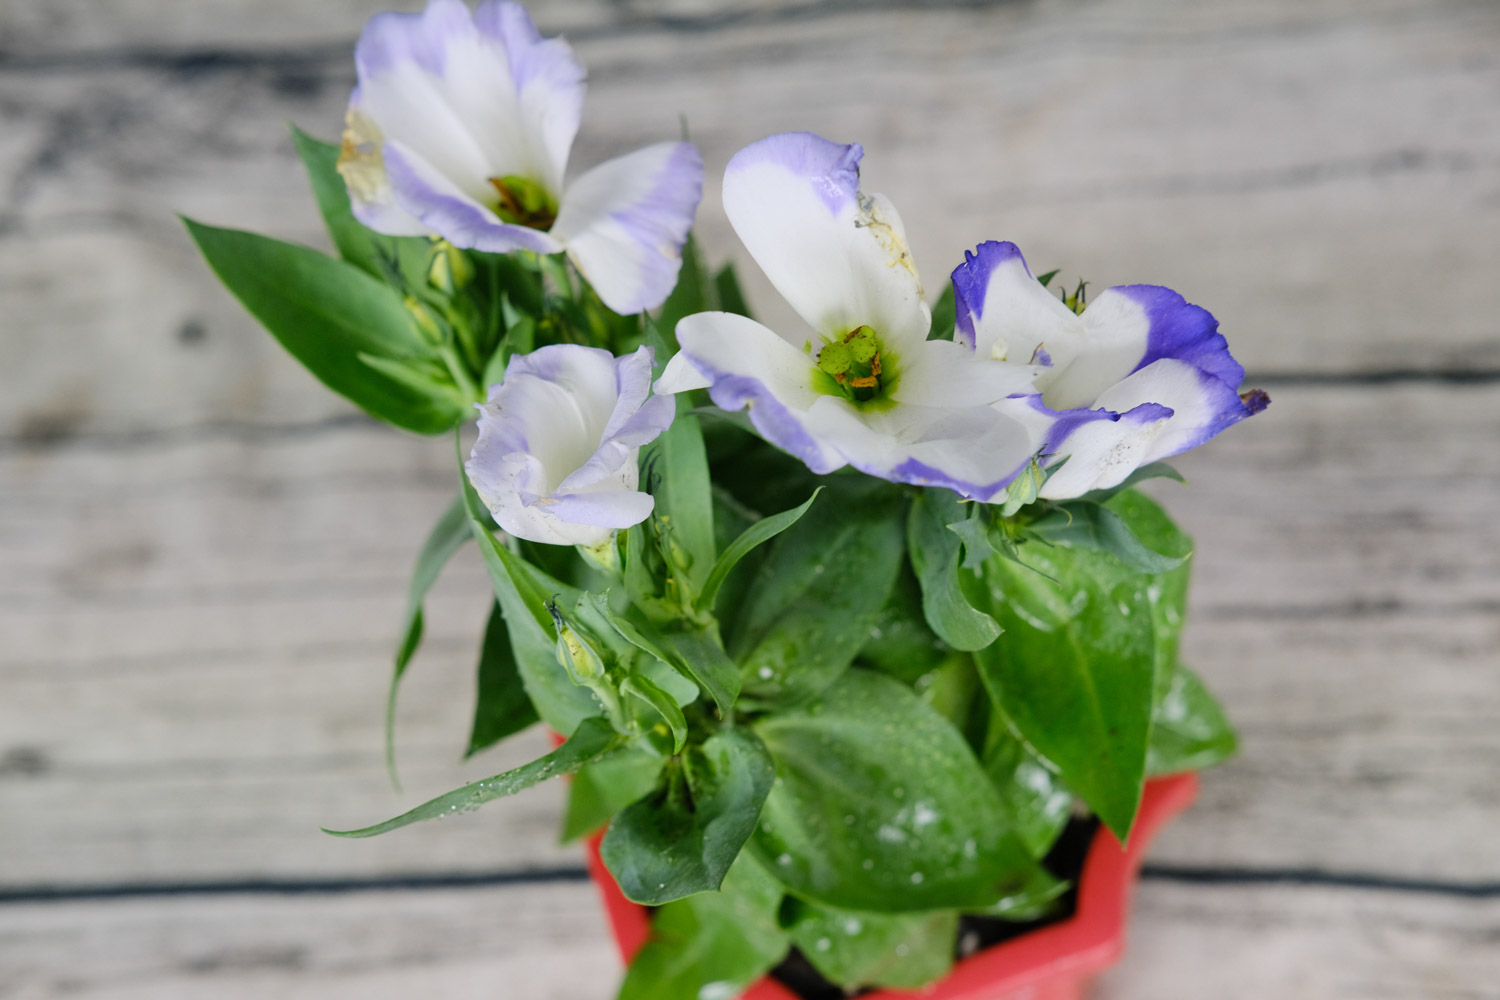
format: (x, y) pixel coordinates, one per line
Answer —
(831, 168)
(1183, 331)
(971, 282)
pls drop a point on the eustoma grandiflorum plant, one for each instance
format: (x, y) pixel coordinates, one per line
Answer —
(841, 623)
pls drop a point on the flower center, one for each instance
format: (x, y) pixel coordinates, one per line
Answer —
(854, 365)
(523, 202)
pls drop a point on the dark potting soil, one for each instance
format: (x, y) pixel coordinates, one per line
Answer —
(975, 934)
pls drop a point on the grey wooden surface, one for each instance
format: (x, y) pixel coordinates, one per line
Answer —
(203, 553)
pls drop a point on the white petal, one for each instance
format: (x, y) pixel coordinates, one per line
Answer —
(750, 365)
(429, 196)
(1115, 333)
(1005, 313)
(1202, 405)
(624, 223)
(943, 373)
(838, 257)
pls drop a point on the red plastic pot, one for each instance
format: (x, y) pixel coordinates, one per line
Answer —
(1056, 962)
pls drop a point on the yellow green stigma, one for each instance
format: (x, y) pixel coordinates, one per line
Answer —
(523, 202)
(854, 363)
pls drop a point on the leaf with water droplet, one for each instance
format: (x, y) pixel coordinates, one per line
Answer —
(592, 738)
(854, 949)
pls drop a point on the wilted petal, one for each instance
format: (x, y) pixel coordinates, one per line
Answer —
(837, 256)
(624, 223)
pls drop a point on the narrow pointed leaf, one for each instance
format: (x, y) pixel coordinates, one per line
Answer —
(666, 706)
(592, 739)
(694, 654)
(757, 534)
(731, 298)
(501, 705)
(601, 789)
(446, 537)
(326, 313)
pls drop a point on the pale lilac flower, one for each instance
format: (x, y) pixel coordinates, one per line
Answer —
(461, 127)
(905, 408)
(559, 439)
(1140, 376)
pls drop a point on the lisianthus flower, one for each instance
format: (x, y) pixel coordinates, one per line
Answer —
(461, 126)
(1140, 375)
(863, 386)
(559, 439)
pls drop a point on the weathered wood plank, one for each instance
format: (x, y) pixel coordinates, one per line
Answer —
(548, 942)
(1323, 177)
(197, 631)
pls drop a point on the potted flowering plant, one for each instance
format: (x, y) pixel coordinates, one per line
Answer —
(860, 645)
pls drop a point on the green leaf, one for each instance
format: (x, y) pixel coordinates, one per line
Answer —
(701, 653)
(820, 592)
(757, 534)
(666, 706)
(501, 706)
(900, 643)
(880, 805)
(935, 557)
(944, 316)
(445, 538)
(523, 593)
(1189, 730)
(1085, 524)
(731, 298)
(712, 945)
(1074, 667)
(1166, 593)
(327, 313)
(371, 252)
(678, 470)
(592, 739)
(899, 950)
(978, 538)
(1045, 279)
(603, 788)
(682, 839)
(1035, 798)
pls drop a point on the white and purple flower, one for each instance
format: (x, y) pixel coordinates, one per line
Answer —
(559, 439)
(863, 386)
(461, 127)
(1140, 375)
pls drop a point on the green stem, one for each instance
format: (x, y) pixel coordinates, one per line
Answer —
(460, 373)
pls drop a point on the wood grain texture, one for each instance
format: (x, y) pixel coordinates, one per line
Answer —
(1326, 178)
(198, 631)
(549, 943)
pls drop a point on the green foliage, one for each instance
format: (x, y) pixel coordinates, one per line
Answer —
(935, 557)
(1189, 730)
(604, 787)
(757, 534)
(1074, 668)
(445, 538)
(1029, 785)
(1086, 524)
(897, 950)
(591, 740)
(819, 593)
(681, 839)
(880, 805)
(328, 314)
(714, 944)
(501, 705)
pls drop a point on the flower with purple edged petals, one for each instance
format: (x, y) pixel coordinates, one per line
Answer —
(461, 126)
(1140, 375)
(863, 386)
(556, 459)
